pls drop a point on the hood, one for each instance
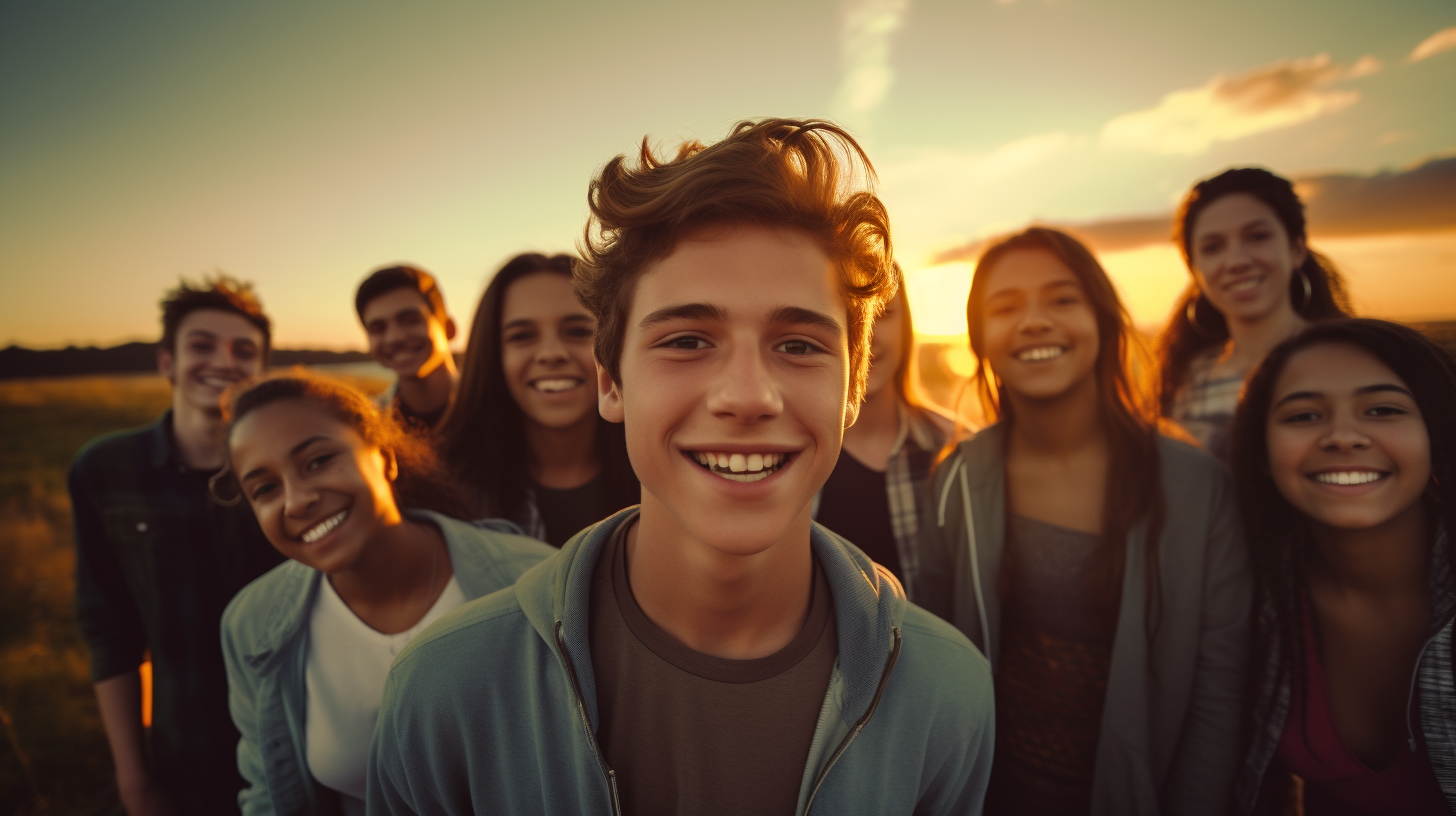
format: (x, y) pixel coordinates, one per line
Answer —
(868, 607)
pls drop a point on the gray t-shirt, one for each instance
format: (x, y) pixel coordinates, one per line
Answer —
(687, 732)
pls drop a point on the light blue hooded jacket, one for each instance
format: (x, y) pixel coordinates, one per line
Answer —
(265, 646)
(493, 708)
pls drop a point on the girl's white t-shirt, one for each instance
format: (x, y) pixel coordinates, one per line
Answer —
(345, 671)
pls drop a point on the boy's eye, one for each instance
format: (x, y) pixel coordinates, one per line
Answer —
(797, 347)
(686, 343)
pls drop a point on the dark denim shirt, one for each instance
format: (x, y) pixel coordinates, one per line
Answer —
(156, 562)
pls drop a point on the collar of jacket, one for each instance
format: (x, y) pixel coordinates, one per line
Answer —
(868, 605)
(293, 596)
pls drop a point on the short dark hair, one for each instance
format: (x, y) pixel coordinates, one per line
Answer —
(223, 293)
(400, 277)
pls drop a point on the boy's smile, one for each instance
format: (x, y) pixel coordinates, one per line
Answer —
(735, 372)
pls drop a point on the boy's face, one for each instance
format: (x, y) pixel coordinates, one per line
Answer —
(735, 372)
(214, 349)
(404, 334)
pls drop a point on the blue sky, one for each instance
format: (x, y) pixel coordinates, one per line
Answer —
(301, 146)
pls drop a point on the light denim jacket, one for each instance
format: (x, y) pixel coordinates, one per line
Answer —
(906, 724)
(265, 645)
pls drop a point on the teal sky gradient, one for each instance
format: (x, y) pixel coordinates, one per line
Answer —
(300, 146)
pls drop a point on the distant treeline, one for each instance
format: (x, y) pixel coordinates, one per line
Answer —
(21, 363)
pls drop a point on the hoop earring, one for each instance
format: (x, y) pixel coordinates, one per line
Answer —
(1308, 290)
(1191, 313)
(212, 483)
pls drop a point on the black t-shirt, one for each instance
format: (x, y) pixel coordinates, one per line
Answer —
(855, 505)
(567, 512)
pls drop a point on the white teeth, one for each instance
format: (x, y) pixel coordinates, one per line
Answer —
(321, 529)
(1349, 477)
(553, 386)
(1040, 353)
(1244, 285)
(746, 477)
(740, 467)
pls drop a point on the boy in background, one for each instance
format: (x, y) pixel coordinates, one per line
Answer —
(409, 333)
(713, 651)
(157, 560)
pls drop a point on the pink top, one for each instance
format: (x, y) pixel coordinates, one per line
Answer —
(1336, 782)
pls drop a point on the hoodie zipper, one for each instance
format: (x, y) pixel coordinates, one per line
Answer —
(1410, 697)
(610, 774)
(859, 726)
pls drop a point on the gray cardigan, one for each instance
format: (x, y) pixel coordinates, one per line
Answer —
(265, 646)
(1170, 723)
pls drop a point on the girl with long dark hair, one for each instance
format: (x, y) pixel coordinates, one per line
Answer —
(1095, 562)
(377, 552)
(523, 434)
(1255, 282)
(1344, 460)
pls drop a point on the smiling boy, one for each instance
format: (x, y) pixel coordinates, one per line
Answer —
(409, 332)
(157, 561)
(713, 651)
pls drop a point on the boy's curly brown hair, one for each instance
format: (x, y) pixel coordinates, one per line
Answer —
(806, 175)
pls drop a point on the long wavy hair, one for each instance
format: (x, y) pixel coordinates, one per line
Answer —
(482, 437)
(1280, 540)
(421, 481)
(1128, 415)
(1194, 325)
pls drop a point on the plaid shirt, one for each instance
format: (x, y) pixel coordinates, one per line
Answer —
(1205, 406)
(156, 563)
(907, 486)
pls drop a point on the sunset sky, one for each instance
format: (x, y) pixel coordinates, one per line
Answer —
(301, 145)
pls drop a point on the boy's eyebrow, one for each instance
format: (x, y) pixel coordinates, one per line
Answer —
(801, 316)
(683, 311)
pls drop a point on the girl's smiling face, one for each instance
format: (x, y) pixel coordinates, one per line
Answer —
(319, 490)
(546, 351)
(1243, 257)
(1038, 330)
(1348, 446)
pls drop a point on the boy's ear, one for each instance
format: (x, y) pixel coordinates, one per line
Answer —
(165, 361)
(851, 413)
(609, 396)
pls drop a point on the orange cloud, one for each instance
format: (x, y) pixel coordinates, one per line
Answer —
(1418, 199)
(1443, 40)
(1270, 97)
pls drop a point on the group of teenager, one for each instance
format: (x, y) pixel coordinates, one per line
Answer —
(680, 536)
